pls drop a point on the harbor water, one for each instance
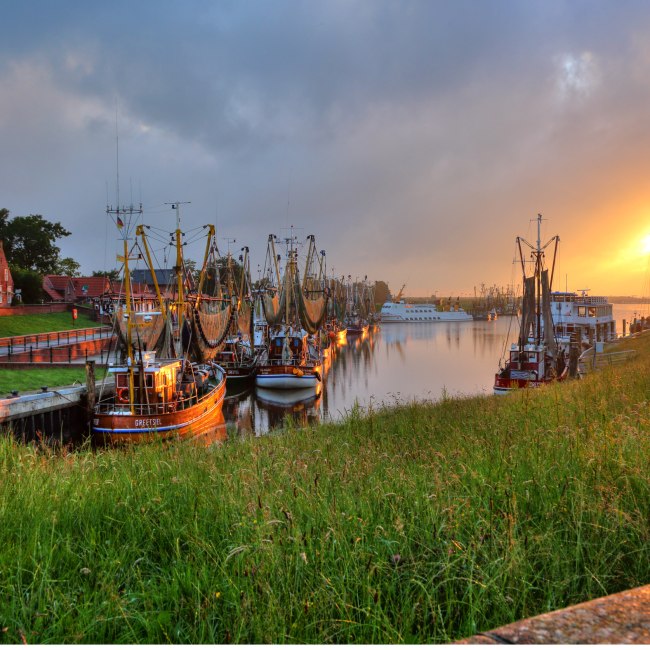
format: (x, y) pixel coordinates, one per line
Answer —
(396, 364)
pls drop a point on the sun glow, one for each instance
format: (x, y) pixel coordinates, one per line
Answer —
(645, 245)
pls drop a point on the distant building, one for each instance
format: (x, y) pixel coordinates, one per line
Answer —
(62, 288)
(6, 281)
(58, 288)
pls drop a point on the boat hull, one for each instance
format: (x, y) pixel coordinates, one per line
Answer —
(120, 426)
(287, 377)
(506, 385)
(440, 317)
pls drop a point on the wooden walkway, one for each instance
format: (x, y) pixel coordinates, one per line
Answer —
(620, 618)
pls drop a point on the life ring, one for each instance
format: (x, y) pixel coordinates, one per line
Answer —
(122, 395)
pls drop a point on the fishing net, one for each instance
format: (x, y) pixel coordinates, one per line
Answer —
(210, 324)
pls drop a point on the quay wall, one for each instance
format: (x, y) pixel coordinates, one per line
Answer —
(26, 310)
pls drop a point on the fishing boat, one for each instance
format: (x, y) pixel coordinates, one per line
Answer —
(360, 308)
(535, 360)
(170, 391)
(238, 356)
(294, 314)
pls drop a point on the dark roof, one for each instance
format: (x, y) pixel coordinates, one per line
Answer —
(164, 277)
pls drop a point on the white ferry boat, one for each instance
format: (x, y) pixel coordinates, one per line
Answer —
(404, 312)
(580, 314)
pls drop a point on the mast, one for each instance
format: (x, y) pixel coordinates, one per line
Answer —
(538, 274)
(139, 231)
(180, 298)
(124, 225)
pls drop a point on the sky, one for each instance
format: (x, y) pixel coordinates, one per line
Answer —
(415, 139)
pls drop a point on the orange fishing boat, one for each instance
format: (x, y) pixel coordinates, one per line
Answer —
(176, 389)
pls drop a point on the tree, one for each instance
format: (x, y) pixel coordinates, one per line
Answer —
(381, 292)
(113, 274)
(29, 242)
(30, 284)
(67, 266)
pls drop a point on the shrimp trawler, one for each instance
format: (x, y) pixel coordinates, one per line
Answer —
(536, 359)
(238, 355)
(166, 383)
(292, 359)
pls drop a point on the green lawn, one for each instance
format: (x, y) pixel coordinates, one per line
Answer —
(40, 323)
(31, 379)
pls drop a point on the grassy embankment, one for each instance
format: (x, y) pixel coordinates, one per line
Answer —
(41, 323)
(25, 379)
(411, 524)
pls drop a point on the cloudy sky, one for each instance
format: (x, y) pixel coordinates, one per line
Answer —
(415, 139)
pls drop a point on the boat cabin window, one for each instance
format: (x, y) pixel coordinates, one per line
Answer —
(295, 345)
(148, 381)
(582, 312)
(122, 381)
(592, 312)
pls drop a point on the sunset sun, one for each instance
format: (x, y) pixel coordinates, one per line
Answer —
(645, 245)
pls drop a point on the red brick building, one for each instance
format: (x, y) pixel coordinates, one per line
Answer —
(6, 281)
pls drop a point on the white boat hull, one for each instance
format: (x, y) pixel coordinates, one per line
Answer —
(286, 381)
(402, 312)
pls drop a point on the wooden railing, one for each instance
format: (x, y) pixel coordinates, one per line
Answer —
(590, 360)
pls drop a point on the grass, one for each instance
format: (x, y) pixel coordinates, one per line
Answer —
(30, 379)
(41, 323)
(416, 524)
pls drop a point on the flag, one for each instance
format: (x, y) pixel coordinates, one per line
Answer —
(120, 223)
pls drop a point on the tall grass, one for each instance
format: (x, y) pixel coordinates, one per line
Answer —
(421, 523)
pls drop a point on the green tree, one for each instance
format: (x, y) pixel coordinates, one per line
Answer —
(67, 266)
(381, 292)
(29, 242)
(30, 284)
(113, 274)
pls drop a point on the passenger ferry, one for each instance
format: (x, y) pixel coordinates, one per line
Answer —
(576, 313)
(404, 312)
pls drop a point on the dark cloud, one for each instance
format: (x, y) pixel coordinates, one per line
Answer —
(414, 138)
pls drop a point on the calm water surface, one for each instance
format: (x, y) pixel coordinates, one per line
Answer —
(397, 363)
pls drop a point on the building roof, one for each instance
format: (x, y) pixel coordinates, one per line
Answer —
(164, 277)
(91, 287)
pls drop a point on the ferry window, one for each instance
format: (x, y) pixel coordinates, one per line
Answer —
(148, 380)
(582, 312)
(532, 357)
(122, 381)
(592, 311)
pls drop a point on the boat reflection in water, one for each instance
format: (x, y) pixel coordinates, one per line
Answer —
(215, 436)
